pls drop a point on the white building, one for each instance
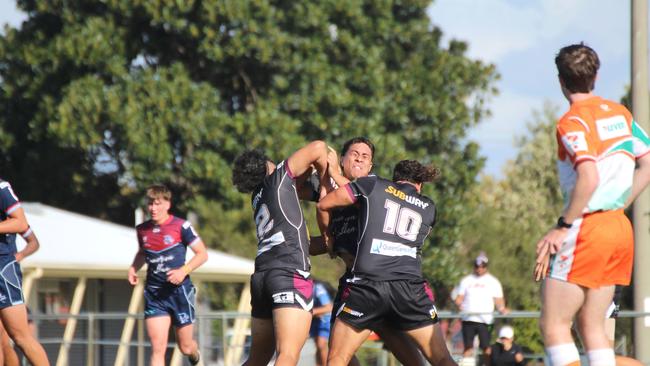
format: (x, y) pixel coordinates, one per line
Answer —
(81, 267)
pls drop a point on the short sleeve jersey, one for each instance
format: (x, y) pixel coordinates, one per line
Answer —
(165, 247)
(281, 228)
(604, 132)
(394, 220)
(479, 293)
(9, 203)
(322, 298)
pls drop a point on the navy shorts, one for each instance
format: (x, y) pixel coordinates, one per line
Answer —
(278, 288)
(177, 302)
(11, 278)
(402, 305)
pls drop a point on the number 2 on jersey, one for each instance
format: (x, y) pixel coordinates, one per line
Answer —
(401, 221)
(263, 221)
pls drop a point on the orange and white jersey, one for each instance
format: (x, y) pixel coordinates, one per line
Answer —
(604, 132)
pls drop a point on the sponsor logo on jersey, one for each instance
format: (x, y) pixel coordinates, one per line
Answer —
(168, 239)
(391, 249)
(256, 199)
(613, 127)
(358, 314)
(433, 312)
(283, 298)
(575, 142)
(156, 229)
(405, 197)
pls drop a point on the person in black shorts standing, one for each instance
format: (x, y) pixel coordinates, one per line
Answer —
(281, 286)
(387, 286)
(356, 161)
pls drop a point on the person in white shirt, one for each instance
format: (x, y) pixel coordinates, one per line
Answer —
(479, 292)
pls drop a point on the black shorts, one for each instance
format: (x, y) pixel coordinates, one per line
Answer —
(471, 329)
(401, 305)
(336, 303)
(279, 288)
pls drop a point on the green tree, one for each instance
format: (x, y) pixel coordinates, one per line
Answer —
(101, 98)
(512, 213)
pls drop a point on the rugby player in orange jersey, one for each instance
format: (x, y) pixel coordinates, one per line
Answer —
(590, 249)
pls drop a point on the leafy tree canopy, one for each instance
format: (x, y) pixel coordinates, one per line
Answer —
(101, 98)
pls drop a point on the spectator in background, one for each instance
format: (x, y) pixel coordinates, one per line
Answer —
(505, 352)
(479, 292)
(320, 323)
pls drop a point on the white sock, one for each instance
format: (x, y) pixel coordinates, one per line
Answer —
(563, 354)
(601, 357)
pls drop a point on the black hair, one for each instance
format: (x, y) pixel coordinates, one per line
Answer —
(249, 170)
(414, 172)
(358, 140)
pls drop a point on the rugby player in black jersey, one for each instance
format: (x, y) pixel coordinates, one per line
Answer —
(387, 285)
(356, 161)
(281, 286)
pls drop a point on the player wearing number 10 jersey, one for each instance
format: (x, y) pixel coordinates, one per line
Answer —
(388, 286)
(281, 287)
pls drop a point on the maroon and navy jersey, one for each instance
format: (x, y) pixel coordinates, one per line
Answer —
(165, 247)
(281, 228)
(9, 203)
(394, 220)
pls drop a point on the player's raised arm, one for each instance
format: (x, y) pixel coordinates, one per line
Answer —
(314, 153)
(339, 198)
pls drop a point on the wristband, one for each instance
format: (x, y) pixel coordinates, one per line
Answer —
(563, 224)
(186, 269)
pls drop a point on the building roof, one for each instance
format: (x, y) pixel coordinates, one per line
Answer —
(73, 245)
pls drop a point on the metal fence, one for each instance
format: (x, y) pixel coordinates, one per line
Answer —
(97, 339)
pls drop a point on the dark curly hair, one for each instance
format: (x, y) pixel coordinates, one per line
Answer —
(249, 170)
(414, 172)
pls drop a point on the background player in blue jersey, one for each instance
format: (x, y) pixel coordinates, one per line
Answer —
(387, 285)
(10, 355)
(320, 323)
(12, 307)
(356, 161)
(281, 287)
(169, 294)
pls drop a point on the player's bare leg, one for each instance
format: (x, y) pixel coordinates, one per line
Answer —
(560, 302)
(321, 350)
(187, 344)
(432, 344)
(14, 319)
(590, 317)
(291, 332)
(262, 342)
(8, 352)
(344, 342)
(401, 345)
(158, 330)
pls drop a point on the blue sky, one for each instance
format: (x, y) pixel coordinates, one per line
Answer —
(521, 38)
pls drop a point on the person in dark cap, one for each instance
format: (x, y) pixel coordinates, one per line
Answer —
(477, 295)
